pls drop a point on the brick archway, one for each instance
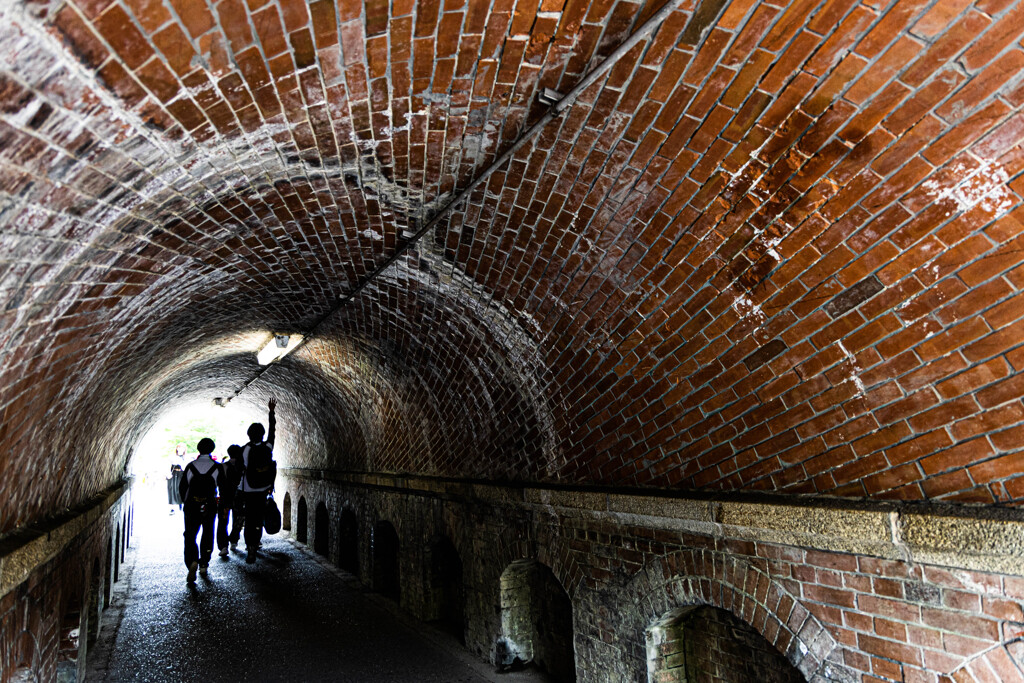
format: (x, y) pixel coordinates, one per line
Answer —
(1003, 663)
(554, 555)
(707, 577)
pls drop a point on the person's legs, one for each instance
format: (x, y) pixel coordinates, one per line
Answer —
(237, 518)
(255, 507)
(209, 519)
(222, 529)
(193, 520)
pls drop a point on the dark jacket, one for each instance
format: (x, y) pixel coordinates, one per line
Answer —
(232, 476)
(201, 466)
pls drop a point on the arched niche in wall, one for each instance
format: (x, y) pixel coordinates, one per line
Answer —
(124, 535)
(536, 621)
(348, 542)
(322, 530)
(68, 648)
(26, 665)
(301, 533)
(668, 586)
(384, 553)
(703, 643)
(117, 553)
(286, 512)
(108, 573)
(445, 591)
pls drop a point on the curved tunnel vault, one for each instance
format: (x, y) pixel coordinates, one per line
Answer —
(766, 249)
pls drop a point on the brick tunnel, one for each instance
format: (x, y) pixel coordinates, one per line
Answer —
(669, 311)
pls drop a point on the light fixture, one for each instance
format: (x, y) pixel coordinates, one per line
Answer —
(548, 97)
(221, 401)
(278, 347)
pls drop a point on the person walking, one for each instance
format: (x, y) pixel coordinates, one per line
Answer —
(226, 501)
(174, 478)
(200, 482)
(258, 478)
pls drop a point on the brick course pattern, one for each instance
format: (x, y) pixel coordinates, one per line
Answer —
(775, 246)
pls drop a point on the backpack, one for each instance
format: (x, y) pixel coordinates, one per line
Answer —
(202, 488)
(261, 470)
(272, 517)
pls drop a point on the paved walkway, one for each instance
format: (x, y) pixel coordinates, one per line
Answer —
(289, 617)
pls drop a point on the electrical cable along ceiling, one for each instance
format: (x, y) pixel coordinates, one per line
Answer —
(748, 246)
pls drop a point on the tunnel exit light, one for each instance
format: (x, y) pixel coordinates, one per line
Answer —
(278, 347)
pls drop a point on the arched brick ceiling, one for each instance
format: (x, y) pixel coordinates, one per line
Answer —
(773, 247)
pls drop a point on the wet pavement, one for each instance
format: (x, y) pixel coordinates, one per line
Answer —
(289, 617)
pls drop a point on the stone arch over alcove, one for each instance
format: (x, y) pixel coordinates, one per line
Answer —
(1003, 663)
(707, 577)
(553, 552)
(536, 621)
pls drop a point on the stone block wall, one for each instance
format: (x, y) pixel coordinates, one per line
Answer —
(842, 607)
(54, 585)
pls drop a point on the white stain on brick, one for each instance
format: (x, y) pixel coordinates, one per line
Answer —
(746, 308)
(985, 187)
(388, 131)
(854, 370)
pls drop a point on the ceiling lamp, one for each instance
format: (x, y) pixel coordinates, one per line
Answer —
(278, 347)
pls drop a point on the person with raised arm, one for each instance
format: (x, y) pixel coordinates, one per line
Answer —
(259, 474)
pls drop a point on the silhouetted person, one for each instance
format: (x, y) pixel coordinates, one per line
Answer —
(257, 481)
(233, 477)
(199, 484)
(174, 478)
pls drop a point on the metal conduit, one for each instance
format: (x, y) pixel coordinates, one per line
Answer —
(648, 27)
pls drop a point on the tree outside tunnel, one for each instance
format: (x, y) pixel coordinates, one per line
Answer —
(186, 425)
(154, 456)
